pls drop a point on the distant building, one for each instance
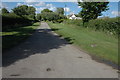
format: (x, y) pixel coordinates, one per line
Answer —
(73, 16)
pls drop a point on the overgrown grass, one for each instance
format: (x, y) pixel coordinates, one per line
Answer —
(107, 25)
(14, 36)
(97, 43)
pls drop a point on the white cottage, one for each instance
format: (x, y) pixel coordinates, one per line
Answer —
(74, 17)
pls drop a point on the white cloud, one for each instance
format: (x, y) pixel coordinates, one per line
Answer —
(38, 10)
(67, 9)
(30, 1)
(3, 5)
(72, 12)
(19, 4)
(45, 6)
(40, 4)
(49, 5)
(116, 13)
(0, 5)
(52, 8)
(55, 0)
(29, 4)
(79, 6)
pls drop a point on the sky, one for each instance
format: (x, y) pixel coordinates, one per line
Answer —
(53, 0)
(71, 7)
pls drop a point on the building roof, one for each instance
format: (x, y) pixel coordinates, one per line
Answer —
(73, 16)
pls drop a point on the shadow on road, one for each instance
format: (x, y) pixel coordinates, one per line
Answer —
(41, 42)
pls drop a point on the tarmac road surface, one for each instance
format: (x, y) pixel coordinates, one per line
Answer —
(46, 55)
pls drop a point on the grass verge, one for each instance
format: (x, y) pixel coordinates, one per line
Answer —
(14, 36)
(95, 43)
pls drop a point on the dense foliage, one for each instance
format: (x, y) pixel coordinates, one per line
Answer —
(12, 20)
(91, 10)
(25, 11)
(60, 11)
(20, 16)
(4, 11)
(48, 15)
(46, 11)
(39, 17)
(74, 22)
(108, 25)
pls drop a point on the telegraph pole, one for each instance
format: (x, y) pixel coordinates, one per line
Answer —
(65, 10)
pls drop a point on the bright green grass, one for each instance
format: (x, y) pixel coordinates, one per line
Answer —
(13, 37)
(105, 46)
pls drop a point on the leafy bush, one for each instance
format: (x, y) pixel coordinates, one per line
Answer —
(51, 16)
(109, 25)
(11, 20)
(58, 21)
(48, 15)
(25, 11)
(76, 22)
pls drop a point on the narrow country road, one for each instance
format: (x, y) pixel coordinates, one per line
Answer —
(46, 55)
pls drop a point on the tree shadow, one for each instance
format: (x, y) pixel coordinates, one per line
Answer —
(69, 39)
(54, 29)
(14, 39)
(41, 42)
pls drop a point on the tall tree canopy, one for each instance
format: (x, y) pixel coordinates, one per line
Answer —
(91, 10)
(31, 10)
(25, 10)
(46, 10)
(47, 14)
(21, 10)
(4, 11)
(39, 17)
(60, 11)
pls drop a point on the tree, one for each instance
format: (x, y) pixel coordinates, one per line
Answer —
(46, 10)
(21, 10)
(50, 16)
(91, 10)
(4, 11)
(25, 11)
(60, 11)
(39, 17)
(47, 14)
(31, 12)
